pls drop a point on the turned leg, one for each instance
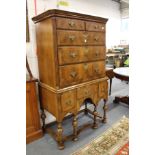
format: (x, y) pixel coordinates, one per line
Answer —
(104, 120)
(59, 136)
(43, 116)
(75, 128)
(95, 116)
(86, 111)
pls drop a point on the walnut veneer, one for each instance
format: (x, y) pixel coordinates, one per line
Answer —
(71, 57)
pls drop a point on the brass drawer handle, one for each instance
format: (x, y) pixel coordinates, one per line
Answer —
(71, 23)
(96, 38)
(72, 38)
(73, 55)
(69, 102)
(96, 26)
(96, 70)
(73, 74)
(97, 53)
(85, 66)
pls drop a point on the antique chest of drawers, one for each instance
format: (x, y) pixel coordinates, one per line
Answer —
(71, 58)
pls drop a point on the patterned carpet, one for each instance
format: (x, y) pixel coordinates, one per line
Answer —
(115, 141)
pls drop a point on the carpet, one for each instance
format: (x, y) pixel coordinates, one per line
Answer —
(114, 141)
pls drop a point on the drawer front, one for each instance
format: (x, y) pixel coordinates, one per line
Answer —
(70, 24)
(68, 100)
(70, 38)
(93, 26)
(86, 91)
(75, 74)
(98, 69)
(68, 55)
(103, 89)
(80, 38)
(96, 38)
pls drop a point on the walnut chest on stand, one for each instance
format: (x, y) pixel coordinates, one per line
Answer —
(71, 56)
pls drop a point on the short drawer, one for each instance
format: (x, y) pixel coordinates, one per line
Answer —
(96, 38)
(98, 69)
(86, 91)
(75, 74)
(68, 100)
(70, 24)
(103, 89)
(93, 26)
(80, 38)
(68, 55)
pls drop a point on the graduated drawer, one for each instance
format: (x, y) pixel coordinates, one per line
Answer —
(103, 89)
(75, 74)
(68, 100)
(68, 55)
(87, 91)
(93, 26)
(80, 38)
(71, 24)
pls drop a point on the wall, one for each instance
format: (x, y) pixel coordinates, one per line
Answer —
(103, 8)
(124, 8)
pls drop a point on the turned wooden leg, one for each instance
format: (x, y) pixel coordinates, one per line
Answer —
(104, 120)
(59, 136)
(43, 116)
(75, 128)
(95, 116)
(86, 111)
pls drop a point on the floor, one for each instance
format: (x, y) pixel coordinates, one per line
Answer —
(48, 146)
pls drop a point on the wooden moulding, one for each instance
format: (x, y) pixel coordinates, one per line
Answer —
(61, 13)
(71, 87)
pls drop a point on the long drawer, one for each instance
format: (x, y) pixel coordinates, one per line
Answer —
(80, 38)
(75, 54)
(75, 74)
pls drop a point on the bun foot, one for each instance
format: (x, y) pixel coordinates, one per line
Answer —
(95, 126)
(61, 147)
(75, 139)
